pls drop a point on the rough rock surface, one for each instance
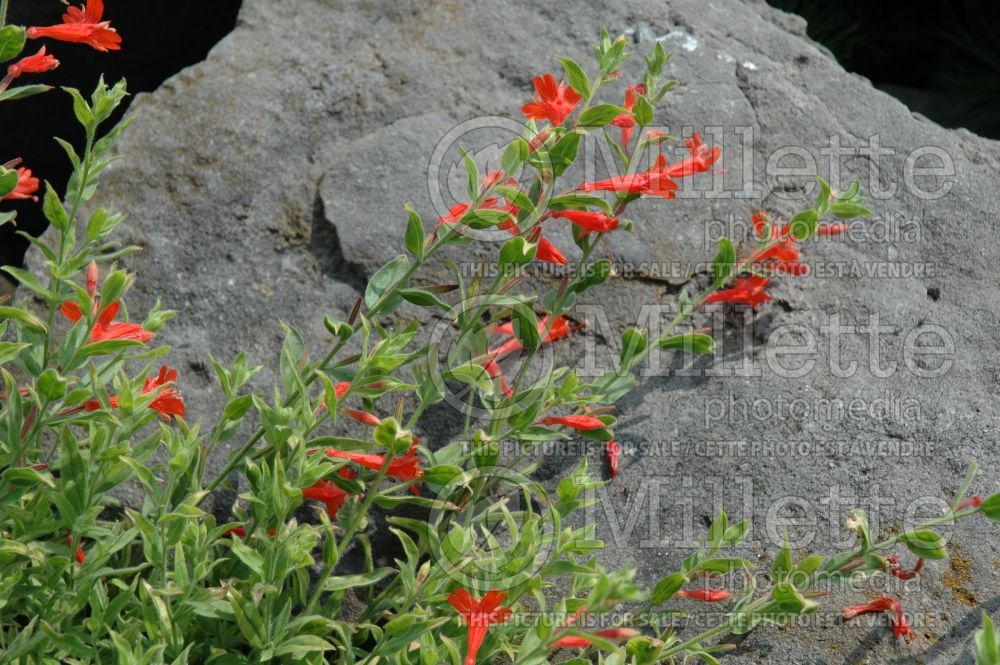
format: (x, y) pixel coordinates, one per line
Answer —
(266, 183)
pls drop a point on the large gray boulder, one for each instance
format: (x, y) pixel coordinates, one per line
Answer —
(266, 183)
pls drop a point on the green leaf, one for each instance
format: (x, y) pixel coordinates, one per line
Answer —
(802, 225)
(341, 582)
(11, 350)
(849, 210)
(513, 156)
(823, 198)
(23, 91)
(699, 343)
(782, 563)
(724, 263)
(578, 79)
(473, 173)
(27, 319)
(600, 115)
(666, 588)
(643, 111)
(564, 152)
(723, 565)
(925, 543)
(579, 202)
(422, 298)
(54, 210)
(991, 508)
(634, 342)
(474, 375)
(27, 280)
(987, 643)
(383, 281)
(51, 385)
(414, 238)
(11, 42)
(517, 251)
(301, 645)
(736, 533)
(8, 181)
(526, 327)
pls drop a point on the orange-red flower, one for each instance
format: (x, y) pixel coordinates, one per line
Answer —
(168, 401)
(27, 186)
(83, 26)
(79, 554)
(560, 328)
(705, 595)
(33, 64)
(406, 467)
(897, 570)
(596, 222)
(330, 492)
(553, 101)
(478, 615)
(613, 452)
(459, 210)
(900, 629)
(363, 417)
(701, 158)
(654, 182)
(577, 641)
(579, 423)
(971, 502)
(626, 121)
(106, 328)
(748, 290)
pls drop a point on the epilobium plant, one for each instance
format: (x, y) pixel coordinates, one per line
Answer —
(89, 405)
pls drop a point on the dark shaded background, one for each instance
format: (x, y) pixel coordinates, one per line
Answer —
(940, 58)
(158, 39)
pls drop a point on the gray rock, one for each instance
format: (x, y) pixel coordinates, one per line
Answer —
(265, 184)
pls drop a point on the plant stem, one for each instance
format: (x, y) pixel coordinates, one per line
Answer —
(3, 12)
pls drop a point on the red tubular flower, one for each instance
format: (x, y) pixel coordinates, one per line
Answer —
(560, 328)
(329, 492)
(492, 368)
(39, 63)
(575, 641)
(79, 554)
(478, 615)
(972, 502)
(900, 629)
(27, 186)
(549, 253)
(654, 182)
(702, 158)
(459, 210)
(705, 595)
(762, 224)
(553, 101)
(897, 570)
(235, 531)
(746, 291)
(579, 423)
(625, 120)
(106, 328)
(363, 417)
(406, 467)
(596, 222)
(83, 26)
(92, 405)
(538, 140)
(613, 452)
(168, 401)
